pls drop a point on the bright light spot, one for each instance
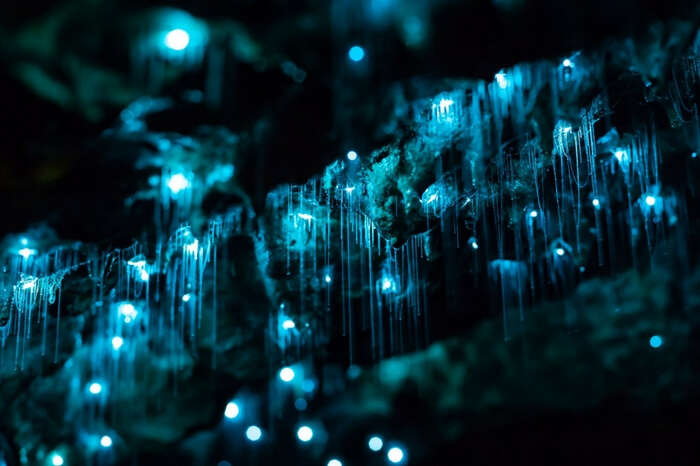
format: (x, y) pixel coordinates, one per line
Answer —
(694, 155)
(178, 182)
(352, 155)
(253, 433)
(349, 189)
(656, 341)
(621, 155)
(650, 200)
(29, 283)
(287, 374)
(474, 244)
(533, 213)
(137, 263)
(445, 105)
(560, 251)
(177, 39)
(356, 53)
(143, 275)
(26, 252)
(386, 284)
(595, 202)
(335, 462)
(231, 411)
(95, 388)
(375, 443)
(106, 441)
(117, 342)
(24, 241)
(567, 63)
(308, 386)
(327, 278)
(501, 80)
(57, 460)
(306, 217)
(432, 197)
(305, 433)
(288, 324)
(127, 311)
(566, 129)
(395, 454)
(186, 297)
(192, 248)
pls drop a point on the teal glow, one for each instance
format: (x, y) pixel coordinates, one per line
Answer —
(117, 342)
(352, 155)
(395, 455)
(356, 53)
(178, 182)
(232, 410)
(287, 374)
(253, 433)
(177, 39)
(56, 459)
(305, 433)
(95, 388)
(288, 324)
(650, 200)
(106, 441)
(656, 341)
(334, 462)
(375, 443)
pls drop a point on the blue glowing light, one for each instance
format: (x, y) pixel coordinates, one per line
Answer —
(308, 386)
(178, 182)
(559, 251)
(566, 63)
(327, 278)
(95, 388)
(395, 454)
(232, 410)
(473, 243)
(287, 374)
(656, 341)
(352, 155)
(501, 80)
(143, 275)
(186, 297)
(300, 404)
(106, 441)
(177, 39)
(26, 252)
(375, 443)
(127, 311)
(56, 459)
(356, 53)
(694, 155)
(533, 214)
(288, 324)
(253, 433)
(24, 241)
(117, 342)
(334, 462)
(595, 202)
(650, 200)
(305, 433)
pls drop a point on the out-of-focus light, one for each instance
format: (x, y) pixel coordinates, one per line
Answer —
(303, 216)
(595, 202)
(232, 410)
(117, 342)
(106, 441)
(287, 374)
(56, 459)
(621, 155)
(375, 443)
(694, 155)
(143, 275)
(656, 341)
(352, 155)
(177, 39)
(300, 404)
(178, 182)
(501, 80)
(559, 251)
(305, 434)
(395, 454)
(26, 252)
(567, 63)
(334, 462)
(650, 200)
(186, 297)
(349, 189)
(387, 284)
(327, 278)
(253, 433)
(308, 385)
(288, 324)
(127, 311)
(95, 388)
(24, 241)
(533, 213)
(356, 53)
